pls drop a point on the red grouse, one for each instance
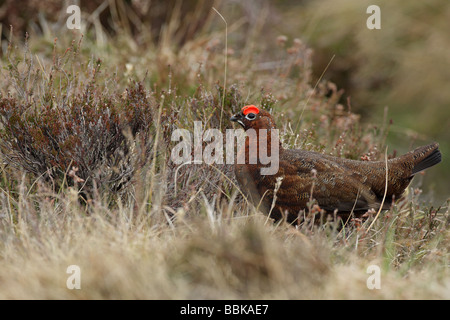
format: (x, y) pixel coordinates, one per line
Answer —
(338, 185)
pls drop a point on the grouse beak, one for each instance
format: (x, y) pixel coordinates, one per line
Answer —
(237, 118)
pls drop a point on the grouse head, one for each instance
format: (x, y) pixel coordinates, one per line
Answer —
(252, 117)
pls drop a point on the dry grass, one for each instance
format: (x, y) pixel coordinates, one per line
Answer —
(204, 241)
(213, 254)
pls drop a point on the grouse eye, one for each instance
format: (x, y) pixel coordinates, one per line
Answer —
(250, 116)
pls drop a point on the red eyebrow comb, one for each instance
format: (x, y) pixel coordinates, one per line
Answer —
(250, 109)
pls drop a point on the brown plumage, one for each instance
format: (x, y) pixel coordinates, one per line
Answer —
(337, 184)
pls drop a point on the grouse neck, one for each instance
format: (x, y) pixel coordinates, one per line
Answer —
(263, 137)
(262, 149)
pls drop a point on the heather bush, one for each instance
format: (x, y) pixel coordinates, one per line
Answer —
(79, 132)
